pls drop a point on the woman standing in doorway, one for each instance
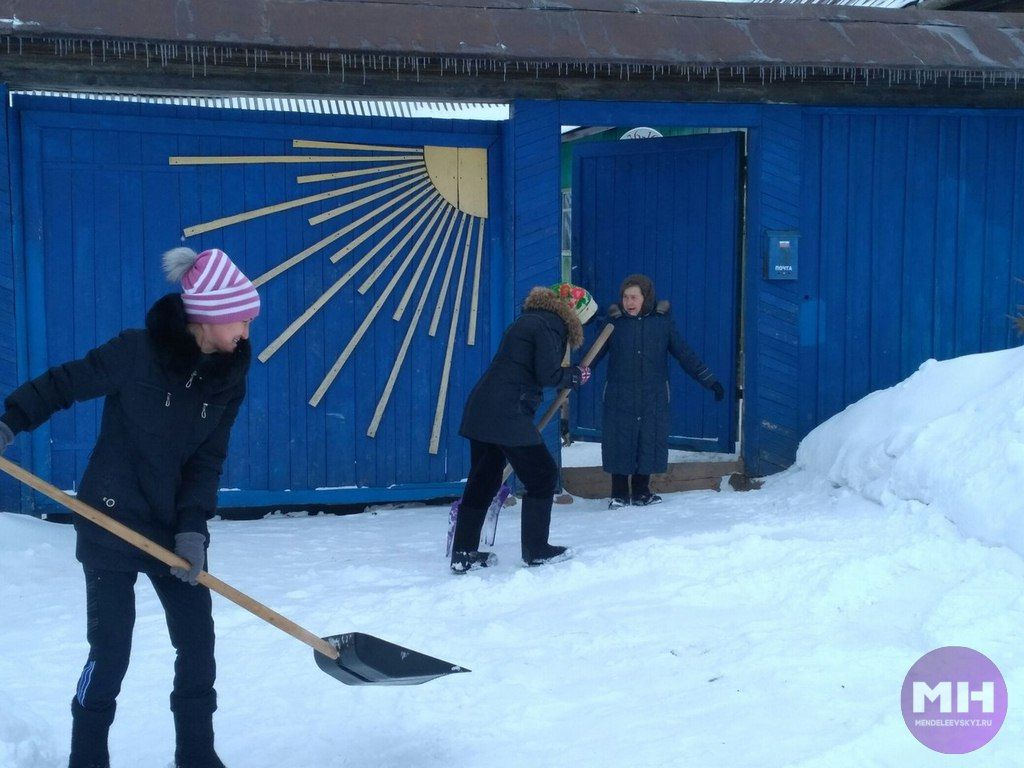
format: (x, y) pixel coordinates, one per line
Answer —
(634, 442)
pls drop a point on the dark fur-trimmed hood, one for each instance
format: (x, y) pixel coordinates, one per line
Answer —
(545, 299)
(177, 347)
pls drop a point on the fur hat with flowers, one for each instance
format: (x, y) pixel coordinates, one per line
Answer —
(578, 298)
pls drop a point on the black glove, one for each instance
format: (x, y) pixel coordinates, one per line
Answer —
(719, 391)
(191, 546)
(6, 436)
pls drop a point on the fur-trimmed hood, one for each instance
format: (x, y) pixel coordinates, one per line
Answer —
(177, 347)
(541, 298)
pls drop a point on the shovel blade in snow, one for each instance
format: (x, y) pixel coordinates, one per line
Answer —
(368, 660)
(490, 530)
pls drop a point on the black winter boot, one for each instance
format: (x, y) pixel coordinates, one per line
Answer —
(89, 731)
(549, 553)
(193, 731)
(534, 535)
(463, 562)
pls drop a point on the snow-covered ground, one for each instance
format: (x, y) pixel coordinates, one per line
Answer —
(718, 630)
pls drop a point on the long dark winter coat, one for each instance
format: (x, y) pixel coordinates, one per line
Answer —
(501, 407)
(636, 396)
(164, 434)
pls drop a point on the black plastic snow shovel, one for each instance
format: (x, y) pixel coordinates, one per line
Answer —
(353, 658)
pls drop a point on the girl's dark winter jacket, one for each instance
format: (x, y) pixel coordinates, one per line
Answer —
(636, 398)
(163, 437)
(501, 407)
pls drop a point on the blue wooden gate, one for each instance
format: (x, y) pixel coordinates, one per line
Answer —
(667, 208)
(108, 187)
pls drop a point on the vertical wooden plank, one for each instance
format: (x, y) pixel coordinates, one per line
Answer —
(832, 372)
(860, 239)
(1016, 260)
(70, 282)
(889, 198)
(811, 308)
(970, 233)
(947, 227)
(12, 341)
(997, 302)
(916, 335)
(270, 420)
(313, 464)
(37, 144)
(109, 269)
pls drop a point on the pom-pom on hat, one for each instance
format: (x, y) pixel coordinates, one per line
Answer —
(214, 290)
(578, 298)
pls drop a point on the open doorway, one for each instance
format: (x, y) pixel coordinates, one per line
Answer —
(668, 202)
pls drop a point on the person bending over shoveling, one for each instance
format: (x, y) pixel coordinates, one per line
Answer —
(172, 393)
(498, 421)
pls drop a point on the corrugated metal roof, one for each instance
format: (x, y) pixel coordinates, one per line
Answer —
(459, 46)
(578, 31)
(450, 110)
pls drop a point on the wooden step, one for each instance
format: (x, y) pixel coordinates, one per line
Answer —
(594, 483)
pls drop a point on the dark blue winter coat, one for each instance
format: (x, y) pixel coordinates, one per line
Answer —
(635, 425)
(502, 405)
(164, 434)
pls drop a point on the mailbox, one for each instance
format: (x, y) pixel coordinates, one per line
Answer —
(781, 255)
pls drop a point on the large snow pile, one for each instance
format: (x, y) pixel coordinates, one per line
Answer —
(951, 436)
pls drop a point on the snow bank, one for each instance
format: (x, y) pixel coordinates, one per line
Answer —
(951, 436)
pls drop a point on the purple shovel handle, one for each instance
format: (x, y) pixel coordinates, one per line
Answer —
(453, 519)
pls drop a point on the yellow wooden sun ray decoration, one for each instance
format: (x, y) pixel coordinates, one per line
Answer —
(406, 192)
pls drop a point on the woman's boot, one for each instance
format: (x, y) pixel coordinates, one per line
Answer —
(89, 731)
(193, 731)
(534, 533)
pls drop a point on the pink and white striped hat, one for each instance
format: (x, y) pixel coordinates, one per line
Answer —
(214, 289)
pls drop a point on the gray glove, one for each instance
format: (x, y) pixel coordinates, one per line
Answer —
(6, 436)
(191, 546)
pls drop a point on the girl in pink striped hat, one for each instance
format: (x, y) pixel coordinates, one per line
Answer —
(172, 391)
(219, 300)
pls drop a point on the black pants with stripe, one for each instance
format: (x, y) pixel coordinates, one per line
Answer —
(110, 608)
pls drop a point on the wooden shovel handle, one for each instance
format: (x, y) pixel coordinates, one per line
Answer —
(563, 395)
(166, 556)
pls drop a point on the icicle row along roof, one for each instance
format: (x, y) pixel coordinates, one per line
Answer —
(500, 48)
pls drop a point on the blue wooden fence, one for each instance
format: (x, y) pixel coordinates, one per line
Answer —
(911, 224)
(101, 204)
